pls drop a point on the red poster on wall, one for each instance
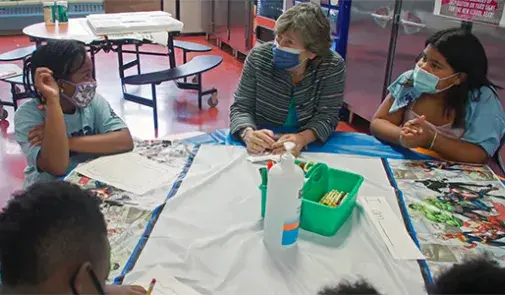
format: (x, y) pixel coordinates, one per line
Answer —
(484, 11)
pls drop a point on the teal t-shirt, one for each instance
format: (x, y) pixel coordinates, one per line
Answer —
(292, 118)
(97, 118)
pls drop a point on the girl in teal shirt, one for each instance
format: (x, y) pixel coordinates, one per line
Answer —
(66, 122)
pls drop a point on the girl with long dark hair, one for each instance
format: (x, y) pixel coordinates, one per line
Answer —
(446, 103)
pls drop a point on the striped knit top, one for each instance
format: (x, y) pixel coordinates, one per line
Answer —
(263, 94)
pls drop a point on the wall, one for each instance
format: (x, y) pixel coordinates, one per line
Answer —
(115, 6)
(15, 15)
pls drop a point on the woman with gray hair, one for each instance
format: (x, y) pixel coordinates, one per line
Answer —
(295, 83)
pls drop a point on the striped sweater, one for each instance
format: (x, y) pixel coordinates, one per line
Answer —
(263, 94)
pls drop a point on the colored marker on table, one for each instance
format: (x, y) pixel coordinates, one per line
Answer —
(151, 287)
(264, 175)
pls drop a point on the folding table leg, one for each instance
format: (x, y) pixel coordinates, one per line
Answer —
(14, 96)
(184, 60)
(199, 84)
(171, 55)
(155, 107)
(138, 57)
(121, 66)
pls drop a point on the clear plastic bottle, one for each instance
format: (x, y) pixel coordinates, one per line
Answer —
(284, 199)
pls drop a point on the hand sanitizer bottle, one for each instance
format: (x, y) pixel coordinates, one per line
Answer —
(284, 200)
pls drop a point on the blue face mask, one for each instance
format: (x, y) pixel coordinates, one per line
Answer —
(286, 58)
(426, 82)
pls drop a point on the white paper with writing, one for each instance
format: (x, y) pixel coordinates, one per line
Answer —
(391, 229)
(130, 172)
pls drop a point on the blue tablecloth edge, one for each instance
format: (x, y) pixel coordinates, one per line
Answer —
(154, 217)
(408, 221)
(349, 143)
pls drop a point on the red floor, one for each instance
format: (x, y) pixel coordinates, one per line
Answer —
(177, 109)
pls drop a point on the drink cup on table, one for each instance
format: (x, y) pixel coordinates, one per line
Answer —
(49, 13)
(62, 12)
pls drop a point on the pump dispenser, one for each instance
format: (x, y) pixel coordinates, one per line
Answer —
(284, 200)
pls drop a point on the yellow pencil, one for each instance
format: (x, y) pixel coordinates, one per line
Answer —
(327, 198)
(336, 202)
(334, 195)
(151, 287)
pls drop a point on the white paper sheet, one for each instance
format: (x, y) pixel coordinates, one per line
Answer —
(135, 22)
(9, 70)
(214, 251)
(130, 172)
(391, 229)
(263, 158)
(165, 283)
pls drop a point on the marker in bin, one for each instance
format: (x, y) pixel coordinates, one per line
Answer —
(333, 198)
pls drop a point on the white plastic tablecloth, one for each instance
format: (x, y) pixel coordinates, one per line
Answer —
(209, 235)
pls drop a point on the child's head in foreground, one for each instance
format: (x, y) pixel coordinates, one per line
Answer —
(53, 240)
(476, 276)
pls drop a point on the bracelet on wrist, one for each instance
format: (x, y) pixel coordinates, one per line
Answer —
(244, 131)
(433, 140)
(400, 140)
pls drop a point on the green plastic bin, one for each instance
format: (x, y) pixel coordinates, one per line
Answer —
(319, 218)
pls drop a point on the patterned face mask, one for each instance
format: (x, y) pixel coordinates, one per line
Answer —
(83, 94)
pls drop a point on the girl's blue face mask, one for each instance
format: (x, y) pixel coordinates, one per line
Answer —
(286, 58)
(426, 82)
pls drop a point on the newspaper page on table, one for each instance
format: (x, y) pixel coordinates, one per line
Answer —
(457, 211)
(128, 214)
(125, 227)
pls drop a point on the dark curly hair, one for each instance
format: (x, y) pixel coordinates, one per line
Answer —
(45, 226)
(477, 276)
(63, 57)
(346, 288)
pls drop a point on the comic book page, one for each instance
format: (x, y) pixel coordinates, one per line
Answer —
(457, 211)
(128, 214)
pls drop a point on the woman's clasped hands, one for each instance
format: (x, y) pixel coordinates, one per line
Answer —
(260, 141)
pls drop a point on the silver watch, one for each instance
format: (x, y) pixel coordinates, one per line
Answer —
(243, 132)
